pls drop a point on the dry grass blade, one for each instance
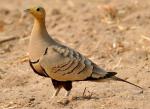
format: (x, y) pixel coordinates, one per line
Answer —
(6, 39)
(145, 37)
(117, 64)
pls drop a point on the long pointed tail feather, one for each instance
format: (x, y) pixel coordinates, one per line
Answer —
(119, 79)
(111, 75)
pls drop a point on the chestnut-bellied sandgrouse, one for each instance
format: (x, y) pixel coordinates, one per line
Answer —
(62, 64)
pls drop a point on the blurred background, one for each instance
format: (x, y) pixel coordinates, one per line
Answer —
(115, 34)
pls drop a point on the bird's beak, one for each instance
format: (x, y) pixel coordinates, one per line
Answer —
(27, 10)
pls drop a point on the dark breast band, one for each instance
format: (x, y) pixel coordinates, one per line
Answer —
(39, 73)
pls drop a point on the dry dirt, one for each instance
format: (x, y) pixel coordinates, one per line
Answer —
(115, 34)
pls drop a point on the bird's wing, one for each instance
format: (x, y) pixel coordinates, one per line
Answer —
(65, 64)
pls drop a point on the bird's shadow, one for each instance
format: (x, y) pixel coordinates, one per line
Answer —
(84, 96)
(65, 102)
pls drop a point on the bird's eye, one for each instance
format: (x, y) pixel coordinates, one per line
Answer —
(38, 9)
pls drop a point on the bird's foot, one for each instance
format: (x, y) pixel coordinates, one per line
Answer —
(63, 101)
(53, 98)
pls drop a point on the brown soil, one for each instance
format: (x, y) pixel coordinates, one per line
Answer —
(113, 33)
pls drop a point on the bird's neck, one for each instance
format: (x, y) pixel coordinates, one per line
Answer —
(39, 40)
(39, 28)
(39, 31)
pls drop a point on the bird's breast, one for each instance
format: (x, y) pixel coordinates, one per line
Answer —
(37, 49)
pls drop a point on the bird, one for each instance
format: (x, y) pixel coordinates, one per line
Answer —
(62, 64)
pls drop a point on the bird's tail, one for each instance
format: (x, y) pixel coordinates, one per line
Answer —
(112, 76)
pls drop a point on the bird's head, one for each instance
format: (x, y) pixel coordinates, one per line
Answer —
(38, 12)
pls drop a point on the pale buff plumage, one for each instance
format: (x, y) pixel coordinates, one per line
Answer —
(58, 61)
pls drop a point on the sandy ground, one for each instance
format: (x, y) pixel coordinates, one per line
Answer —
(113, 33)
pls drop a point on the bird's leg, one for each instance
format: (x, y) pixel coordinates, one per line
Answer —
(68, 93)
(67, 86)
(57, 85)
(56, 92)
